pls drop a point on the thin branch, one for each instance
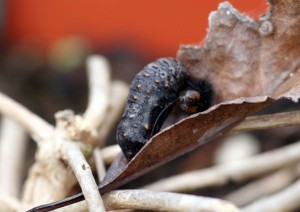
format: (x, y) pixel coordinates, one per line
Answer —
(270, 121)
(37, 127)
(100, 167)
(237, 171)
(13, 141)
(163, 201)
(156, 201)
(99, 85)
(265, 186)
(84, 175)
(109, 153)
(285, 200)
(118, 96)
(9, 203)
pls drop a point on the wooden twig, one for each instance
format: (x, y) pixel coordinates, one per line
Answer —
(237, 171)
(38, 128)
(9, 203)
(100, 166)
(117, 100)
(156, 201)
(285, 200)
(84, 175)
(98, 72)
(264, 187)
(163, 201)
(13, 141)
(269, 121)
(109, 153)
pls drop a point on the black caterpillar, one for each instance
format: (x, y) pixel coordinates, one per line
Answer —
(152, 94)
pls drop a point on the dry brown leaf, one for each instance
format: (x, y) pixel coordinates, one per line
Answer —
(250, 64)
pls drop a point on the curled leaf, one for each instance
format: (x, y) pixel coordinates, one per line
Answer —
(182, 137)
(250, 63)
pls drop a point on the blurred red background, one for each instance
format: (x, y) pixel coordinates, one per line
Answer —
(44, 44)
(154, 28)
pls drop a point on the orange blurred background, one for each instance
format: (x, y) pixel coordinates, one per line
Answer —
(45, 43)
(153, 28)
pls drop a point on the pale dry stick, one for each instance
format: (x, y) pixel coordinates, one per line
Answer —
(109, 153)
(117, 101)
(100, 167)
(119, 92)
(163, 201)
(9, 203)
(13, 145)
(156, 201)
(265, 186)
(83, 174)
(237, 171)
(249, 124)
(98, 71)
(285, 200)
(269, 121)
(38, 128)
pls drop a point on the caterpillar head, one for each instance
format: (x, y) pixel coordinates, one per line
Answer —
(198, 96)
(190, 101)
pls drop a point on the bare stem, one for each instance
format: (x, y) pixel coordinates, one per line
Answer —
(84, 175)
(163, 201)
(100, 167)
(37, 127)
(156, 201)
(268, 122)
(13, 141)
(118, 96)
(285, 200)
(9, 203)
(237, 171)
(109, 153)
(99, 87)
(265, 186)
